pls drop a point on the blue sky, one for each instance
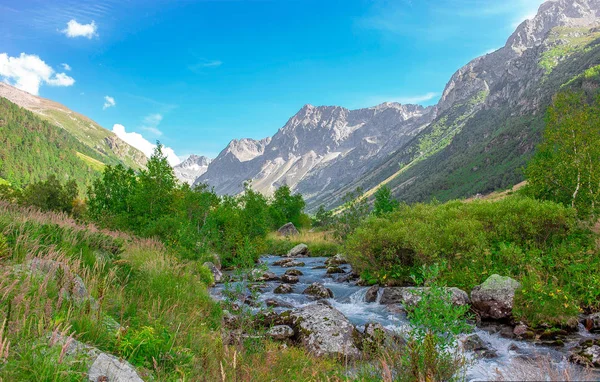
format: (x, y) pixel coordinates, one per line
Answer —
(196, 74)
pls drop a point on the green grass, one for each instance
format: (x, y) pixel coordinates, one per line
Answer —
(320, 244)
(93, 163)
(566, 42)
(171, 327)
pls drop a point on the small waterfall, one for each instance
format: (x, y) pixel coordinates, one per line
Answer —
(379, 294)
(358, 297)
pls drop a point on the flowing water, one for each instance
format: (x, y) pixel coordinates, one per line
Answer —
(349, 299)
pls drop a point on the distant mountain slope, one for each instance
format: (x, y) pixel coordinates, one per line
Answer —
(476, 140)
(110, 148)
(190, 169)
(492, 111)
(318, 149)
(32, 148)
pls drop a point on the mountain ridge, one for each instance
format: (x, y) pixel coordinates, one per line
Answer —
(516, 80)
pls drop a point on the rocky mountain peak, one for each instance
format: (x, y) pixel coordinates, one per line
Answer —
(190, 169)
(551, 14)
(246, 149)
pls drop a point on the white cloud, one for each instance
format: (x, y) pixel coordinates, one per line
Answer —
(151, 123)
(28, 72)
(66, 67)
(108, 102)
(139, 142)
(74, 29)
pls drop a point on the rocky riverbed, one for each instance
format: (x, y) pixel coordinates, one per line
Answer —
(322, 307)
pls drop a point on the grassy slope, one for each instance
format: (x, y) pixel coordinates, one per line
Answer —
(170, 327)
(92, 135)
(32, 148)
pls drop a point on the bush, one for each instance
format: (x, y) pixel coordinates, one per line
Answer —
(515, 236)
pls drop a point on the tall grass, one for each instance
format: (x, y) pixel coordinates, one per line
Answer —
(142, 304)
(320, 243)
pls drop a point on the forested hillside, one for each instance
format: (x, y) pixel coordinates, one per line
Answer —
(31, 148)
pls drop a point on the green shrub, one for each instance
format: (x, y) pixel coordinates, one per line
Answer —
(541, 302)
(516, 236)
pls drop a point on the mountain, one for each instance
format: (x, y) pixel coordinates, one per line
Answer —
(32, 148)
(190, 169)
(318, 148)
(476, 140)
(106, 144)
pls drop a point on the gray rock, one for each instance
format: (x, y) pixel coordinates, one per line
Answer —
(104, 366)
(336, 260)
(267, 276)
(494, 298)
(372, 293)
(324, 331)
(292, 264)
(410, 296)
(109, 368)
(280, 332)
(294, 272)
(288, 230)
(301, 250)
(73, 285)
(334, 270)
(289, 279)
(284, 289)
(217, 275)
(475, 344)
(318, 290)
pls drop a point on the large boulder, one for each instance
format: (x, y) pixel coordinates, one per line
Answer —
(318, 291)
(109, 368)
(325, 331)
(288, 230)
(301, 250)
(410, 296)
(103, 366)
(494, 298)
(217, 274)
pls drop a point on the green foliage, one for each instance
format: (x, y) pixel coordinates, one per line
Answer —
(566, 167)
(323, 218)
(542, 302)
(286, 207)
(50, 195)
(435, 314)
(194, 221)
(354, 210)
(384, 203)
(515, 237)
(31, 148)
